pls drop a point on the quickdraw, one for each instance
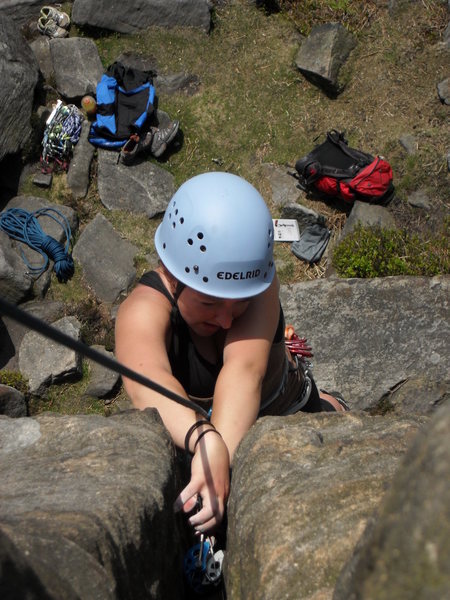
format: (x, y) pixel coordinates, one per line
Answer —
(296, 345)
(202, 565)
(62, 132)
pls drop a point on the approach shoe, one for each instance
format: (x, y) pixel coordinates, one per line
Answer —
(62, 19)
(162, 138)
(50, 28)
(130, 150)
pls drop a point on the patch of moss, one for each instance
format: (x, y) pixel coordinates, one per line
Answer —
(15, 380)
(376, 252)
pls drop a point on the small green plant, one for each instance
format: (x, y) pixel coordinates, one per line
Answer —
(15, 380)
(376, 252)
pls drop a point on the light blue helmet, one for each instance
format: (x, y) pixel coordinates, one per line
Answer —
(217, 237)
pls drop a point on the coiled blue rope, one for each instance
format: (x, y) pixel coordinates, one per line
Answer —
(23, 226)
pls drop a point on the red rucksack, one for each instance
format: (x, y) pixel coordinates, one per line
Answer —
(338, 171)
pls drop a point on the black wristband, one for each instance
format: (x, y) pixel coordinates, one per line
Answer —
(191, 430)
(204, 433)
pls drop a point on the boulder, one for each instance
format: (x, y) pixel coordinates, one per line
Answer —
(141, 188)
(21, 11)
(322, 55)
(77, 67)
(78, 175)
(12, 332)
(405, 549)
(420, 199)
(302, 491)
(378, 333)
(15, 284)
(12, 402)
(44, 362)
(283, 186)
(135, 15)
(368, 215)
(86, 508)
(102, 381)
(19, 70)
(178, 83)
(41, 50)
(409, 143)
(106, 259)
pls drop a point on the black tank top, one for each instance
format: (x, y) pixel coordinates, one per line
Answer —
(197, 375)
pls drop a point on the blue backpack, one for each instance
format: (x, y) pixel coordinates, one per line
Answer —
(125, 103)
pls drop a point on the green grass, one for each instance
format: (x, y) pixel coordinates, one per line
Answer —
(67, 398)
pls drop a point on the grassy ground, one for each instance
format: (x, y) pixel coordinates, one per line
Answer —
(253, 106)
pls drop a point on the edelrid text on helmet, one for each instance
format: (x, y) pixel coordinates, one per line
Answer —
(217, 237)
(238, 275)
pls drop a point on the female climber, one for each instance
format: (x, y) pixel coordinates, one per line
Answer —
(207, 324)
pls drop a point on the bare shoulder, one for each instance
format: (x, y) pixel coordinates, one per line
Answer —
(260, 320)
(265, 305)
(144, 312)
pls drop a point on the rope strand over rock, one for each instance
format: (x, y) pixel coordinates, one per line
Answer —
(24, 227)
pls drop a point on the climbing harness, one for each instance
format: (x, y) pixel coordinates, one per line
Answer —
(62, 132)
(24, 227)
(203, 566)
(32, 322)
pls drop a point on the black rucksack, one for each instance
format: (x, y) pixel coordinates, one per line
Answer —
(337, 171)
(125, 103)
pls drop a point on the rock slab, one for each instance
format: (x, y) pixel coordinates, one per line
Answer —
(405, 550)
(302, 491)
(86, 508)
(369, 336)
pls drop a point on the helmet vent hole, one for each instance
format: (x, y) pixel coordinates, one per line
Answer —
(203, 248)
(187, 269)
(200, 235)
(176, 211)
(164, 246)
(181, 220)
(174, 225)
(196, 269)
(205, 279)
(190, 242)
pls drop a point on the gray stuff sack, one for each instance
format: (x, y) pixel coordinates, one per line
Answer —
(312, 243)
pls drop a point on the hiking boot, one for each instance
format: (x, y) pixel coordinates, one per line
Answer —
(50, 28)
(129, 150)
(62, 19)
(146, 141)
(162, 138)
